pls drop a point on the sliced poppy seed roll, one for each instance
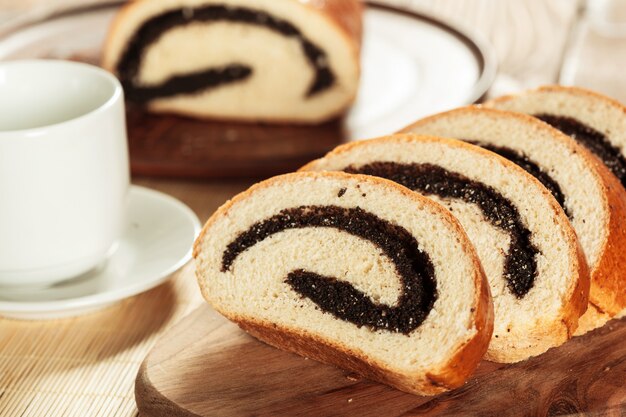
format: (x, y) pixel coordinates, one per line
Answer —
(598, 123)
(537, 272)
(294, 61)
(591, 196)
(354, 271)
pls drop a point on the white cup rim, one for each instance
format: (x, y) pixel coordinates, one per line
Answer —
(117, 94)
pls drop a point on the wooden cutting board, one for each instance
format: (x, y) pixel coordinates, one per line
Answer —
(207, 366)
(174, 146)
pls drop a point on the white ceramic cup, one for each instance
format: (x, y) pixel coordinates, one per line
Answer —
(64, 176)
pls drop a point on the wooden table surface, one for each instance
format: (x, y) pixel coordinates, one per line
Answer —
(86, 366)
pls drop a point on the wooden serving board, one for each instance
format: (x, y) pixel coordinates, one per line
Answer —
(174, 146)
(207, 366)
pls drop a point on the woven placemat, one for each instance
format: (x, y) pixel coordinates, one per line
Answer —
(86, 366)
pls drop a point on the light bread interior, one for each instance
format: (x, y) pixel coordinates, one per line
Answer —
(281, 76)
(254, 289)
(600, 113)
(556, 154)
(522, 327)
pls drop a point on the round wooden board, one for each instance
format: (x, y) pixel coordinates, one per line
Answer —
(207, 366)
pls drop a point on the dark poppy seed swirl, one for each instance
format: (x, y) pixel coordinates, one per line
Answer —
(340, 298)
(151, 30)
(531, 167)
(520, 264)
(591, 139)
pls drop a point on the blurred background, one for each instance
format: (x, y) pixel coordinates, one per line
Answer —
(87, 365)
(536, 41)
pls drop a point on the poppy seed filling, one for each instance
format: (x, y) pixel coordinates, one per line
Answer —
(591, 139)
(151, 30)
(340, 298)
(529, 166)
(520, 265)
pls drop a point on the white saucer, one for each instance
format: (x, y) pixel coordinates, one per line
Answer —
(157, 242)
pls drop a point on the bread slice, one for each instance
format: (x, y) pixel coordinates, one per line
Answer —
(353, 271)
(596, 122)
(591, 196)
(537, 272)
(291, 61)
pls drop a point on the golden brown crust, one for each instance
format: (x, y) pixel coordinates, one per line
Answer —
(448, 376)
(607, 280)
(453, 375)
(579, 298)
(461, 366)
(578, 91)
(607, 295)
(557, 331)
(471, 110)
